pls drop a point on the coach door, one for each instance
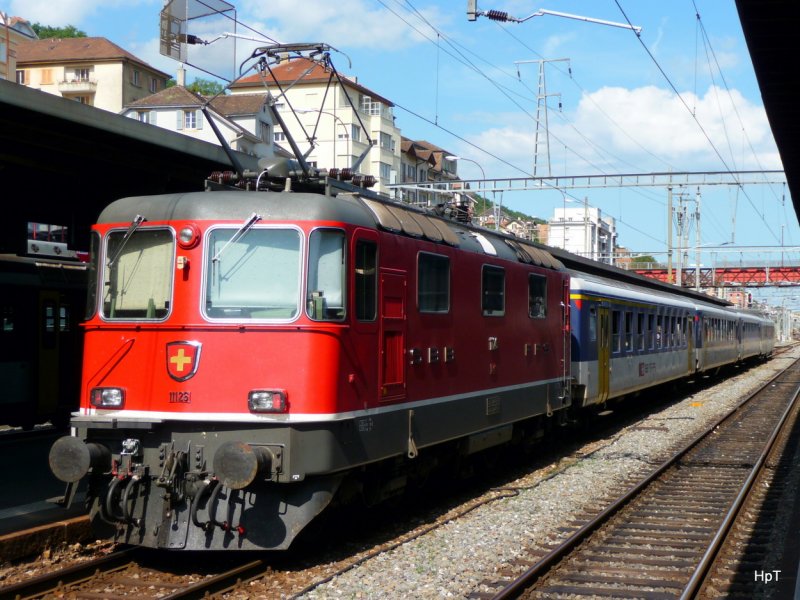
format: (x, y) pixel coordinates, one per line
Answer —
(689, 333)
(393, 327)
(603, 352)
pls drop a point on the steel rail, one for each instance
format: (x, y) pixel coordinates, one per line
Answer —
(548, 561)
(223, 582)
(69, 575)
(707, 560)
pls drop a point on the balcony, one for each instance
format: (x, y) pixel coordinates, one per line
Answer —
(77, 86)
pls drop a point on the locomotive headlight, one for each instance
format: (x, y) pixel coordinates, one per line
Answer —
(107, 397)
(189, 236)
(269, 401)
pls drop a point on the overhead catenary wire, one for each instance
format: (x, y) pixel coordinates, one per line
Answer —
(696, 120)
(460, 57)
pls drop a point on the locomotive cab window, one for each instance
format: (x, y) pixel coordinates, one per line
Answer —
(94, 258)
(253, 275)
(433, 283)
(537, 296)
(326, 275)
(493, 292)
(137, 275)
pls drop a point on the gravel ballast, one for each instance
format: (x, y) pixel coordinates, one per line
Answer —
(451, 561)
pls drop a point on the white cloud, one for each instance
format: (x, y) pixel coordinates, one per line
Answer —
(651, 131)
(64, 12)
(653, 121)
(344, 24)
(553, 44)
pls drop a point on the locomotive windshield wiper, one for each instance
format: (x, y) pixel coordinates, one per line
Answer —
(246, 226)
(137, 220)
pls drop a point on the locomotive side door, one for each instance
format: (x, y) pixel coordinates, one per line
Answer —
(392, 335)
(603, 352)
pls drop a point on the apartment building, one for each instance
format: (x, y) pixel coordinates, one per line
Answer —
(244, 120)
(13, 30)
(317, 110)
(90, 70)
(584, 231)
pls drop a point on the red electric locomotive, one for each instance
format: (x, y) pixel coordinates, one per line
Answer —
(249, 353)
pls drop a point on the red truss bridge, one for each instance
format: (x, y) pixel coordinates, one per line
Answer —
(729, 276)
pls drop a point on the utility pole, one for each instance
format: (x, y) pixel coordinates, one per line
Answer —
(697, 242)
(670, 278)
(541, 107)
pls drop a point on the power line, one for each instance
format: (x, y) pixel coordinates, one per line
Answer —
(694, 117)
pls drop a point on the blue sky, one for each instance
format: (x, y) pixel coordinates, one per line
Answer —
(455, 83)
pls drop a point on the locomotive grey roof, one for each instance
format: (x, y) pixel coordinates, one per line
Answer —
(224, 205)
(359, 209)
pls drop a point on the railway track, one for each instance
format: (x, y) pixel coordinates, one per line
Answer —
(135, 572)
(662, 539)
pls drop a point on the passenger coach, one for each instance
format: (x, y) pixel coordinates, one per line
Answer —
(626, 337)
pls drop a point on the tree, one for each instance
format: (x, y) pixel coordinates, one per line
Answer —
(47, 31)
(204, 87)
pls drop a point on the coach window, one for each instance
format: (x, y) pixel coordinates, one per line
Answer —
(433, 283)
(137, 275)
(366, 266)
(616, 323)
(493, 301)
(628, 331)
(325, 286)
(537, 296)
(641, 331)
(593, 324)
(651, 331)
(659, 331)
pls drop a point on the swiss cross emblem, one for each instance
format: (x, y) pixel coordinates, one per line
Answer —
(183, 359)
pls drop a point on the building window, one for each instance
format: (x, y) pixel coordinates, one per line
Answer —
(279, 136)
(266, 137)
(153, 85)
(370, 106)
(135, 77)
(143, 116)
(81, 74)
(493, 288)
(190, 119)
(46, 76)
(386, 171)
(386, 141)
(83, 99)
(21, 79)
(355, 133)
(433, 283)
